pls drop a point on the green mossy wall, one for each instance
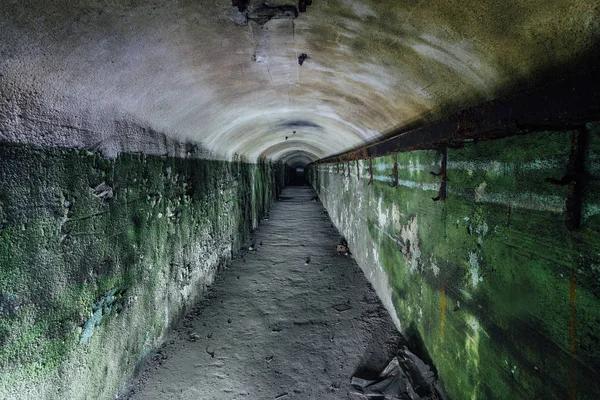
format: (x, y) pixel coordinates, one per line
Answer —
(99, 257)
(503, 297)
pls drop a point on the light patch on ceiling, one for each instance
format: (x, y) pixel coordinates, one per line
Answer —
(465, 65)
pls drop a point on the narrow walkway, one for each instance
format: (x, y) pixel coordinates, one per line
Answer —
(274, 326)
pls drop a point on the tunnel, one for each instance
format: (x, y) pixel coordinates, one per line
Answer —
(298, 199)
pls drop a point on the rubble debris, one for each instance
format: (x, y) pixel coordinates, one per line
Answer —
(160, 356)
(307, 261)
(210, 353)
(406, 377)
(342, 247)
(193, 337)
(301, 58)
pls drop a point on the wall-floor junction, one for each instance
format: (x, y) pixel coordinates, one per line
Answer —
(498, 281)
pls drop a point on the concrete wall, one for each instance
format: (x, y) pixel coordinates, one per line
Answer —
(502, 296)
(98, 257)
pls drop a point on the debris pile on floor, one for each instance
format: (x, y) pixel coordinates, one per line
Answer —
(342, 248)
(406, 377)
(301, 58)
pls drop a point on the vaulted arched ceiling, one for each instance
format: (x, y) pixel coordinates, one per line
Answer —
(205, 72)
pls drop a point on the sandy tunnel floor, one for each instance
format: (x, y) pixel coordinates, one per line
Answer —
(273, 326)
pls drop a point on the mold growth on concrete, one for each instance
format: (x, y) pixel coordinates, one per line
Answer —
(98, 257)
(490, 278)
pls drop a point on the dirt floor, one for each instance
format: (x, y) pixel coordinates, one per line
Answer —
(291, 319)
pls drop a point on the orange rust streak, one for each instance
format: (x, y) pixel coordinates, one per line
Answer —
(443, 311)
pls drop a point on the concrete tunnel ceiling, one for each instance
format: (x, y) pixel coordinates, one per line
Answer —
(205, 72)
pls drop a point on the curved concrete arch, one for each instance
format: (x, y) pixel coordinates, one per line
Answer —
(210, 76)
(292, 159)
(281, 150)
(252, 134)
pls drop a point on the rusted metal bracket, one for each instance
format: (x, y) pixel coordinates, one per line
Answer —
(562, 105)
(576, 177)
(394, 174)
(370, 171)
(444, 174)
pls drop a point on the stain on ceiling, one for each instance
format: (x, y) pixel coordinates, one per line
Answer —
(283, 80)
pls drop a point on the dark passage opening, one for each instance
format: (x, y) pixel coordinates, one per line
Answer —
(297, 177)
